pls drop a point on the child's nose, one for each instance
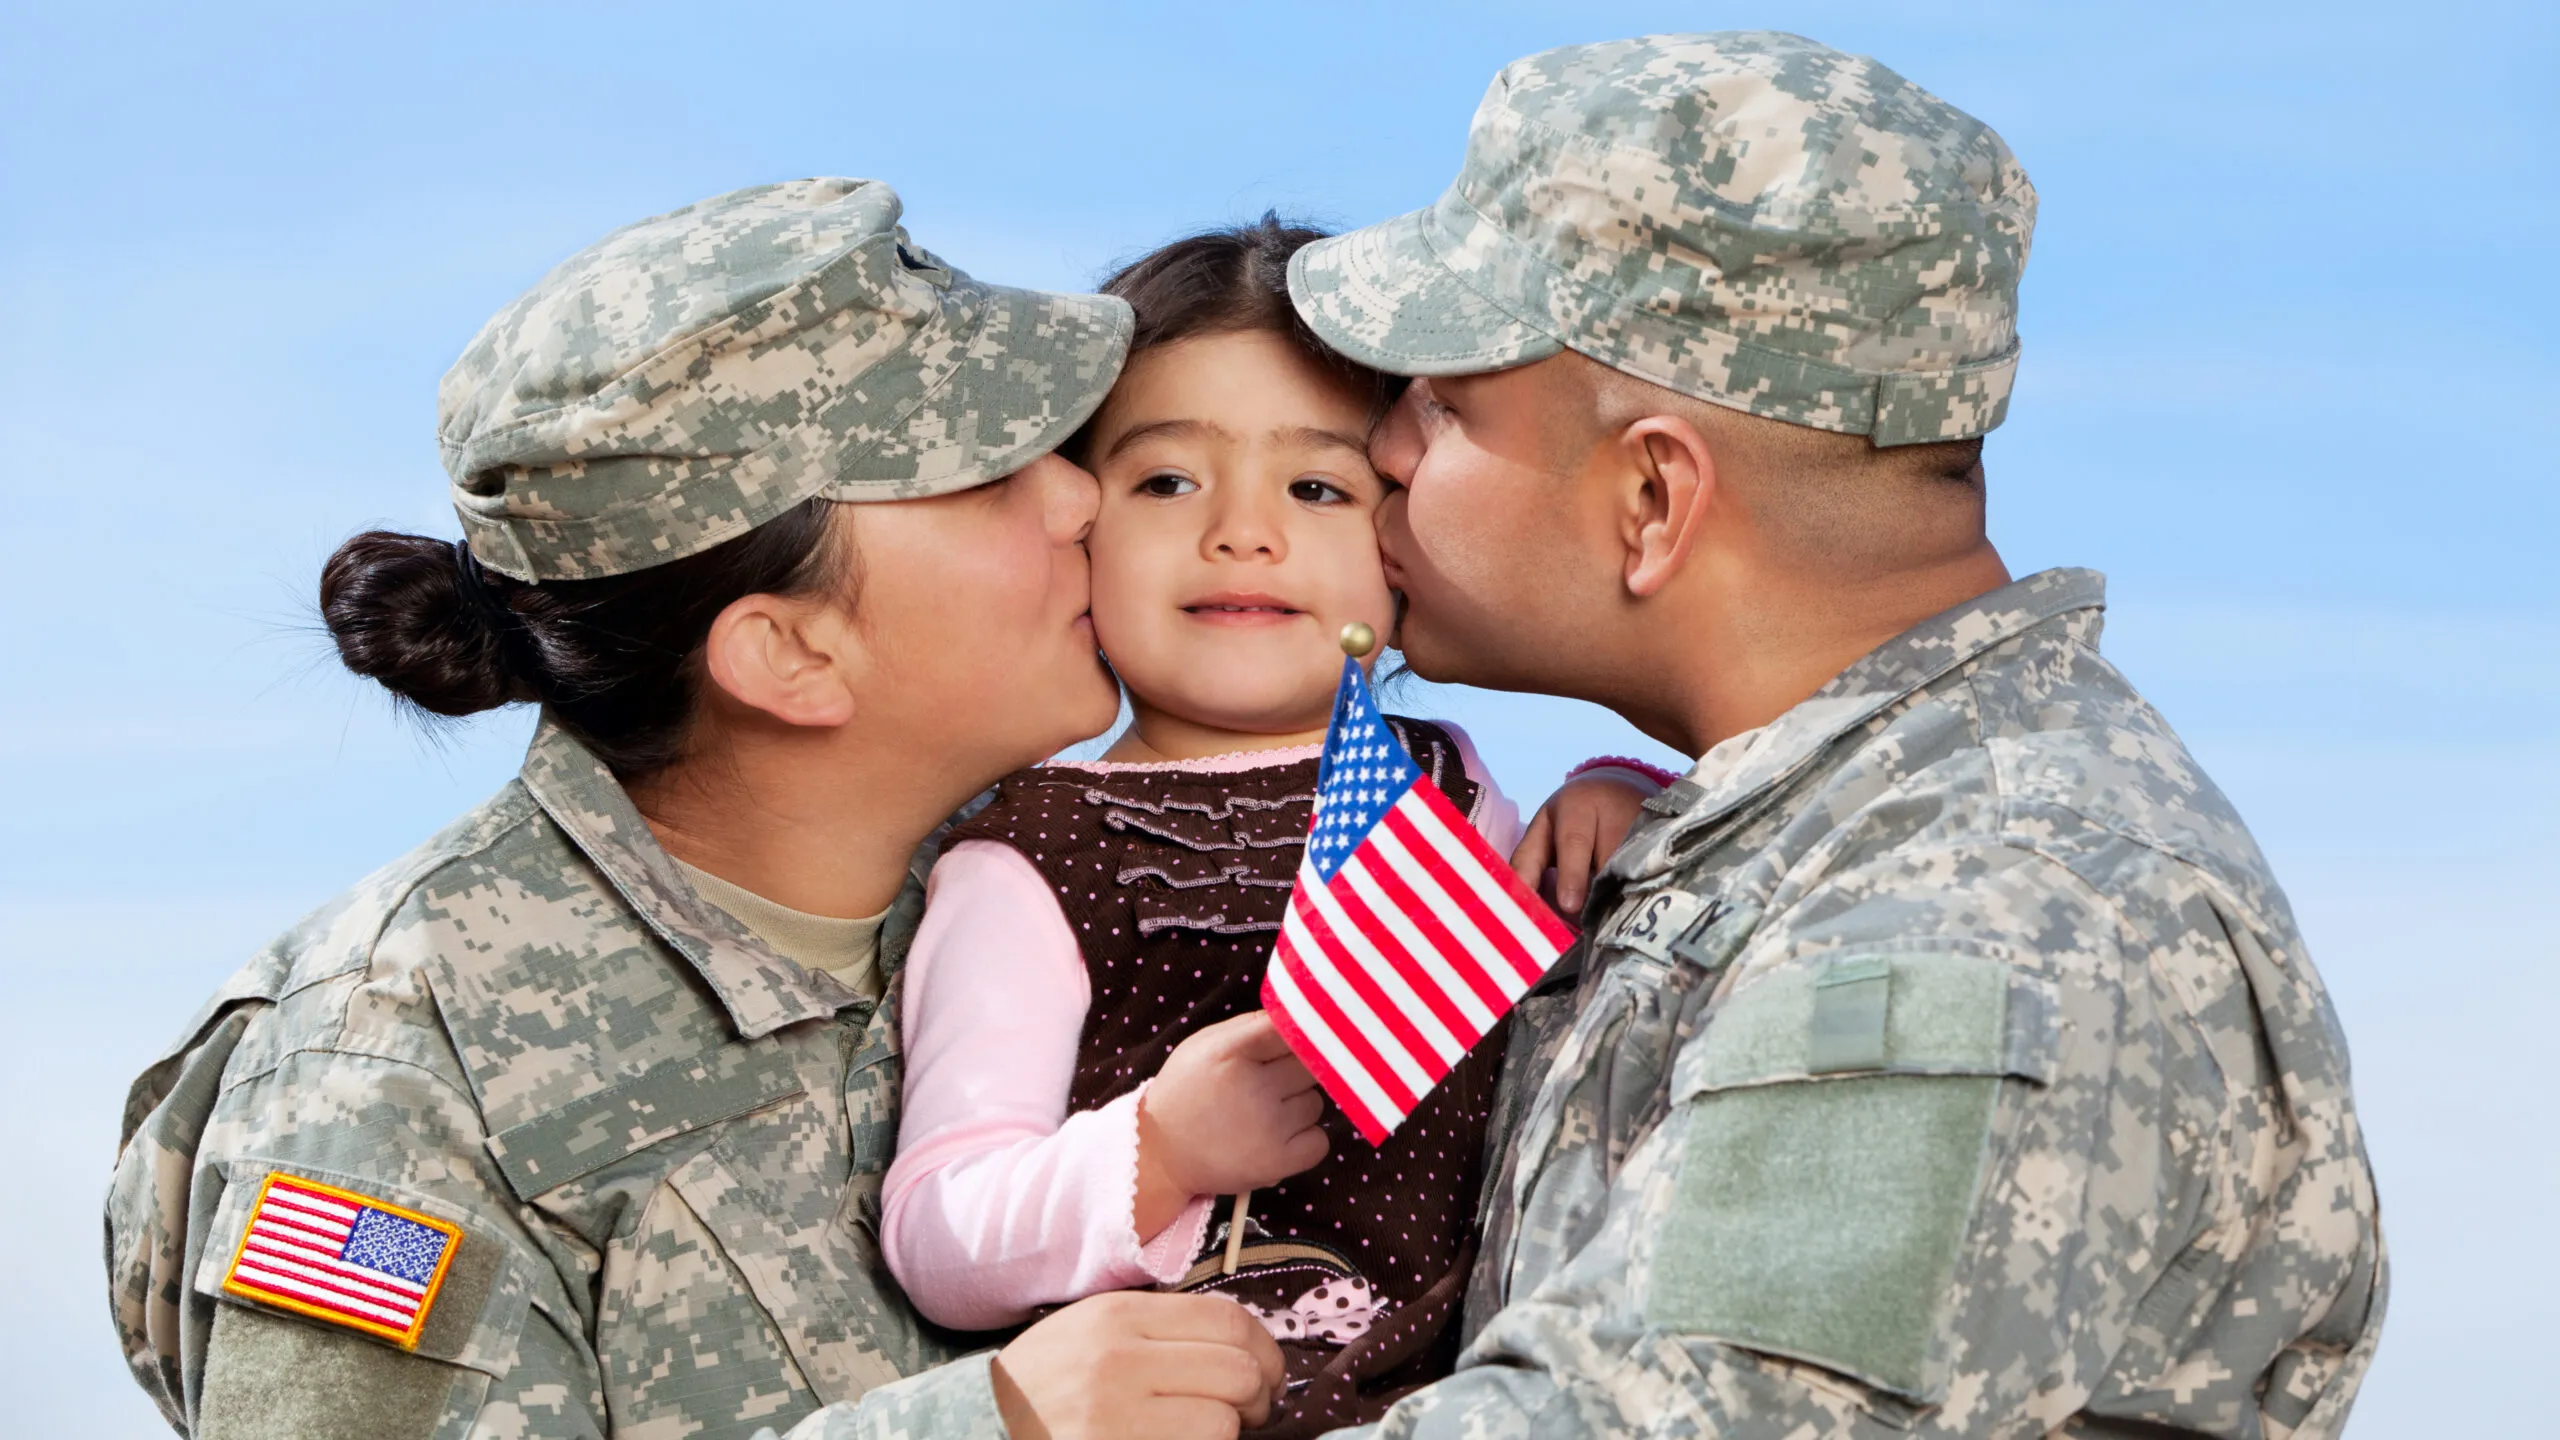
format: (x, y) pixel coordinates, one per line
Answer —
(1245, 529)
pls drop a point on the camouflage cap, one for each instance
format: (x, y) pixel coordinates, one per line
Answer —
(1752, 219)
(687, 378)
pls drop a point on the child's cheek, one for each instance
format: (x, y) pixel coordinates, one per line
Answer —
(1136, 566)
(1356, 580)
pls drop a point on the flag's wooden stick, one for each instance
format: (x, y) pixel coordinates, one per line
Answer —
(1235, 1233)
(1357, 640)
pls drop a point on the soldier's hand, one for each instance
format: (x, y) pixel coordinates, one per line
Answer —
(1575, 833)
(1138, 1366)
(1231, 1110)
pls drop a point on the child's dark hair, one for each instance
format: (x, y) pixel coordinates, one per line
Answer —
(1221, 282)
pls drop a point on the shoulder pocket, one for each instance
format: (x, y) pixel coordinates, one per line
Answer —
(1841, 1116)
(671, 1098)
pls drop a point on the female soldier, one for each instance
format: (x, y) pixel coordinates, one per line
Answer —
(572, 1121)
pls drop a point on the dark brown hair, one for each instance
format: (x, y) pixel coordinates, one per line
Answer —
(1220, 282)
(615, 661)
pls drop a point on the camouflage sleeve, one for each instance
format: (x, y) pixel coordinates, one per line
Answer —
(497, 1349)
(1931, 1149)
(949, 1402)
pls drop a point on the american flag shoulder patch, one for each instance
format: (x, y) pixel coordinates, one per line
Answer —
(342, 1257)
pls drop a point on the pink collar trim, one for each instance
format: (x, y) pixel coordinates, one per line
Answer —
(1206, 765)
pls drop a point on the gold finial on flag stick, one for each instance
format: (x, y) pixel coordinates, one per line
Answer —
(1358, 639)
(1235, 1234)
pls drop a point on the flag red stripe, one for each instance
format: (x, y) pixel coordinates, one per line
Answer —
(331, 1279)
(306, 1217)
(1284, 1020)
(1497, 937)
(335, 1209)
(1432, 990)
(1296, 944)
(284, 1219)
(1353, 1038)
(1344, 1090)
(1532, 942)
(307, 1254)
(403, 1308)
(310, 1294)
(1455, 953)
(318, 1293)
(1362, 969)
(1542, 920)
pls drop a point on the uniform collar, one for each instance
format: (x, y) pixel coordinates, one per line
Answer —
(761, 990)
(1875, 682)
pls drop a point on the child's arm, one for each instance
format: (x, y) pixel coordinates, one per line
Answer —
(1582, 824)
(1232, 1110)
(999, 1200)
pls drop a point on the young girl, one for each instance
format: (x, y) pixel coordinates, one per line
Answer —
(1087, 1066)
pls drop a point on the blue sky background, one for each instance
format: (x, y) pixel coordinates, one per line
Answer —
(2288, 374)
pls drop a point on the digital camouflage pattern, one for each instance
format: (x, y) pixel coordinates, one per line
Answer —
(689, 377)
(1752, 219)
(1945, 1062)
(662, 1141)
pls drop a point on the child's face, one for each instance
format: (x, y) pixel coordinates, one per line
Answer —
(1235, 538)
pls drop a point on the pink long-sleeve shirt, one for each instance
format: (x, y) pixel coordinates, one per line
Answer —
(1000, 1201)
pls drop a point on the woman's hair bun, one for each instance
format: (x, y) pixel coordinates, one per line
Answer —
(395, 605)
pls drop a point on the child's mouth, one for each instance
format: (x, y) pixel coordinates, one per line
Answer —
(1242, 610)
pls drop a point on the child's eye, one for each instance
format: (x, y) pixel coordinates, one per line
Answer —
(1168, 485)
(1317, 492)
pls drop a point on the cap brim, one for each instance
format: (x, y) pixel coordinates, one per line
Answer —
(1036, 367)
(1382, 296)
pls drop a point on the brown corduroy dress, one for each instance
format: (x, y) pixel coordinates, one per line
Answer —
(1174, 881)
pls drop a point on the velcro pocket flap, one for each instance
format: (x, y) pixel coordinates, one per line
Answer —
(1840, 1118)
(1906, 1013)
(666, 1100)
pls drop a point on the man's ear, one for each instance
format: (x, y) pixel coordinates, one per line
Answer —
(1671, 478)
(786, 657)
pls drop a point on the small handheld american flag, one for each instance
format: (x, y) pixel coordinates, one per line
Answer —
(1407, 937)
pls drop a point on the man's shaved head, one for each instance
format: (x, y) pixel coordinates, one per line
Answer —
(1828, 502)
(1564, 527)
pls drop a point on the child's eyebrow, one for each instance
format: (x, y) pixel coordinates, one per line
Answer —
(1168, 430)
(1313, 437)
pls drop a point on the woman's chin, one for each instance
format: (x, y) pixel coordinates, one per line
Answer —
(1089, 709)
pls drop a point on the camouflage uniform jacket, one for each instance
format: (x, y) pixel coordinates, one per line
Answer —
(661, 1143)
(1948, 1064)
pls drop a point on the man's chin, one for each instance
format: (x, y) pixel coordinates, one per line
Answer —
(1446, 659)
(1432, 656)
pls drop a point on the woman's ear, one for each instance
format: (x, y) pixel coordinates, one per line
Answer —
(1670, 478)
(789, 658)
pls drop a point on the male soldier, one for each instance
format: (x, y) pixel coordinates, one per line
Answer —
(1945, 1059)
